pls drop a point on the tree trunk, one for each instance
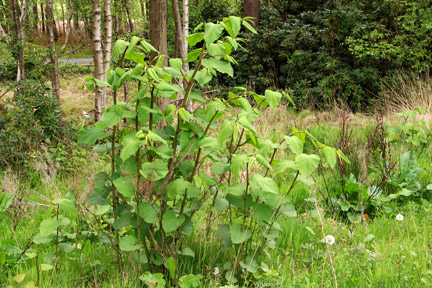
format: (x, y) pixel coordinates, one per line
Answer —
(107, 41)
(100, 92)
(18, 35)
(63, 20)
(251, 9)
(55, 80)
(42, 17)
(158, 37)
(118, 19)
(35, 16)
(180, 36)
(68, 30)
(158, 27)
(126, 4)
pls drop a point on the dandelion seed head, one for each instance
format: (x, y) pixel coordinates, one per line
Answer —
(399, 217)
(329, 240)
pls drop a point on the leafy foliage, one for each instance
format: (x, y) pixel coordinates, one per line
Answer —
(159, 154)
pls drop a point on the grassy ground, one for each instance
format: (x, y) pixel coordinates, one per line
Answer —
(377, 252)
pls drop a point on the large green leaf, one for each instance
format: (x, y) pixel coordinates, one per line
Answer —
(148, 213)
(262, 212)
(129, 243)
(91, 135)
(131, 144)
(112, 116)
(307, 164)
(68, 206)
(238, 235)
(124, 187)
(170, 221)
(235, 23)
(226, 131)
(265, 184)
(330, 155)
(273, 98)
(195, 38)
(295, 144)
(221, 66)
(154, 171)
(212, 32)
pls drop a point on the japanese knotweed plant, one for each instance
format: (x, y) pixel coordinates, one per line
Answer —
(168, 162)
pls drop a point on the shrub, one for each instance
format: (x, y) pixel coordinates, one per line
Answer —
(31, 118)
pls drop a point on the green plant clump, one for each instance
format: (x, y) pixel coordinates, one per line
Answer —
(194, 170)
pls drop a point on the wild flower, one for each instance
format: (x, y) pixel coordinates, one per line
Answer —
(399, 217)
(329, 240)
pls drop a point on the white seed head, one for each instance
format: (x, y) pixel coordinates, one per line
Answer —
(329, 240)
(399, 217)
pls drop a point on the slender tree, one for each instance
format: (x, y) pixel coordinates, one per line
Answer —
(181, 31)
(42, 17)
(126, 5)
(69, 29)
(158, 34)
(55, 79)
(19, 16)
(101, 57)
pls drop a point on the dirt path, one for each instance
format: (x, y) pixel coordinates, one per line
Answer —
(81, 61)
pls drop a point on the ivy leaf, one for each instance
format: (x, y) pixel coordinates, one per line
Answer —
(124, 187)
(330, 155)
(307, 164)
(221, 66)
(238, 235)
(170, 222)
(212, 32)
(129, 243)
(91, 135)
(154, 171)
(273, 98)
(295, 144)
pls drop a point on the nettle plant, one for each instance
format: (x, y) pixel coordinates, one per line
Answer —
(177, 171)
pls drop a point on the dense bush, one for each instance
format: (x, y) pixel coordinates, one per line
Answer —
(31, 118)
